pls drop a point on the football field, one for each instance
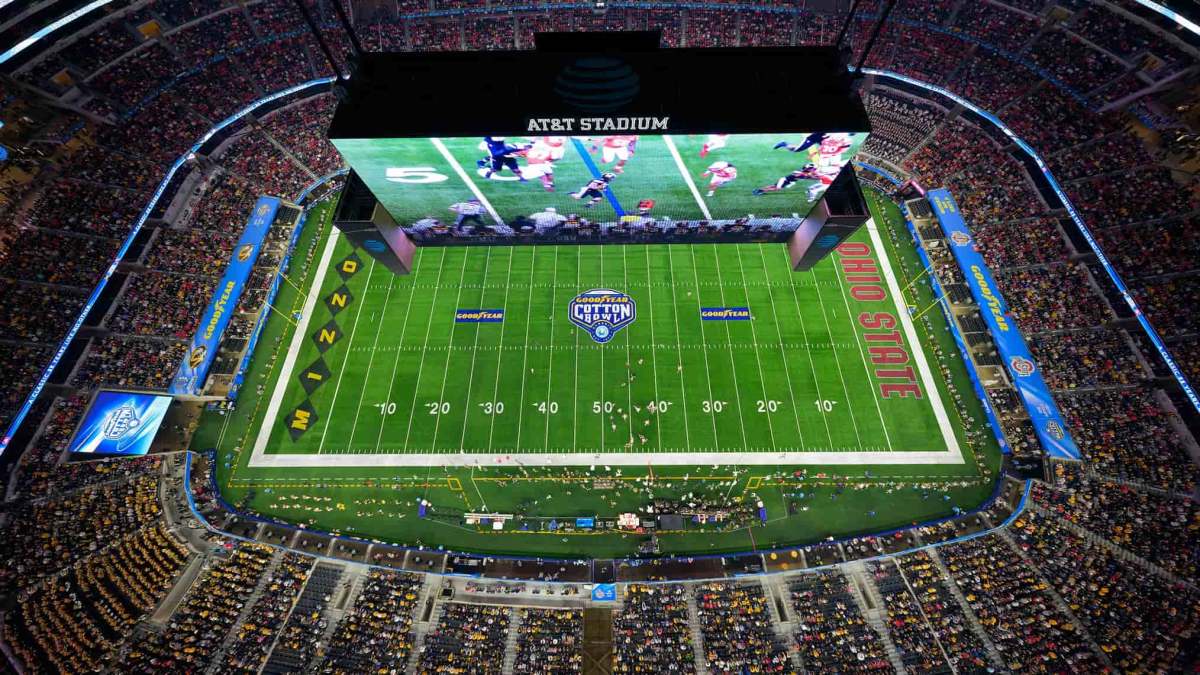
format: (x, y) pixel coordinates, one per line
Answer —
(785, 408)
(380, 372)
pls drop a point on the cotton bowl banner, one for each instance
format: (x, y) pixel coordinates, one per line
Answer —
(1043, 411)
(203, 348)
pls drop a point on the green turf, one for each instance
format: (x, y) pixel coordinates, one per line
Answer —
(406, 378)
(380, 502)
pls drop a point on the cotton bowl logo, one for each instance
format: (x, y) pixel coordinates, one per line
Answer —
(1055, 430)
(602, 313)
(119, 422)
(959, 237)
(1022, 366)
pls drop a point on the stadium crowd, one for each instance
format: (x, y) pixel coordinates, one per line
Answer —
(88, 557)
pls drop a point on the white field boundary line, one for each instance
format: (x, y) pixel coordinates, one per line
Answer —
(787, 456)
(483, 201)
(687, 177)
(289, 361)
(918, 347)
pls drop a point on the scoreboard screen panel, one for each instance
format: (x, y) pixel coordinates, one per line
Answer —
(119, 423)
(560, 189)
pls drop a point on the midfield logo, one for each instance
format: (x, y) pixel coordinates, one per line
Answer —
(602, 312)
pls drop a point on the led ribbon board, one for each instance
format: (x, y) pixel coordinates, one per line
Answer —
(1035, 393)
(203, 348)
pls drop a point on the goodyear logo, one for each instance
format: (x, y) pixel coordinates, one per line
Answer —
(989, 298)
(1022, 366)
(602, 313)
(244, 252)
(959, 237)
(1055, 430)
(119, 422)
(944, 204)
(478, 315)
(197, 356)
(725, 313)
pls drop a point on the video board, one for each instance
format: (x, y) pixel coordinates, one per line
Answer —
(119, 424)
(610, 185)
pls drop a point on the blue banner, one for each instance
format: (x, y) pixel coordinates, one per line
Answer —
(203, 348)
(1043, 411)
(120, 423)
(604, 593)
(725, 313)
(479, 316)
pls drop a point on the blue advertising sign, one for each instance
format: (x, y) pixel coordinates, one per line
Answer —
(478, 316)
(203, 348)
(1035, 394)
(725, 313)
(585, 522)
(120, 423)
(604, 593)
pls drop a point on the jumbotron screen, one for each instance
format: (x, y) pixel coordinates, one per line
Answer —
(554, 189)
(120, 423)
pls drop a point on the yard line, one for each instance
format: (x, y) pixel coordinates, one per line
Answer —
(474, 352)
(708, 373)
(342, 371)
(910, 331)
(654, 364)
(525, 350)
(499, 356)
(783, 355)
(628, 353)
(811, 363)
(428, 326)
(757, 358)
(362, 391)
(862, 354)
(289, 361)
(550, 370)
(687, 177)
(838, 360)
(603, 389)
(737, 391)
(575, 405)
(403, 332)
(437, 423)
(466, 178)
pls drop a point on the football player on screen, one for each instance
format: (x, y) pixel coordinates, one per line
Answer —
(501, 155)
(719, 173)
(809, 172)
(618, 148)
(539, 163)
(713, 142)
(594, 190)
